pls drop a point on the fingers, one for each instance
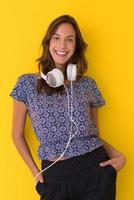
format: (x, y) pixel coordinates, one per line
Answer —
(40, 179)
(105, 163)
(116, 163)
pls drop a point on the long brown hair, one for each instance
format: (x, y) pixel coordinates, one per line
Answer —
(46, 63)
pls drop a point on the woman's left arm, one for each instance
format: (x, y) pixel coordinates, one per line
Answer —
(117, 159)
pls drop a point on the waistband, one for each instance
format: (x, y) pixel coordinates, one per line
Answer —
(75, 164)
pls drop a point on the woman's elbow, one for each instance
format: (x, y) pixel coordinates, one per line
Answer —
(124, 159)
(17, 135)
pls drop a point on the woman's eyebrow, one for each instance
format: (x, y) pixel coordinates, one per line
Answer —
(67, 36)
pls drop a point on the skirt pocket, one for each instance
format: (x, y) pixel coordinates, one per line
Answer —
(113, 170)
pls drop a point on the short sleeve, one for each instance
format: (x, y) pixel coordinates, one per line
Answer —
(96, 98)
(19, 90)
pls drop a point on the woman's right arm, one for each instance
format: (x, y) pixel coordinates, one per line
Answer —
(18, 126)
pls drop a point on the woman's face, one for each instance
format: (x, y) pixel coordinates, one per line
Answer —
(62, 44)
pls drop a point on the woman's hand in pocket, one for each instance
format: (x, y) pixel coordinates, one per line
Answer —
(39, 178)
(117, 162)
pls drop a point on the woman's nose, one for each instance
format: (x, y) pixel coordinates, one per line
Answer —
(62, 44)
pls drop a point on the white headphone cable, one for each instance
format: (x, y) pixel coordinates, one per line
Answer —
(70, 136)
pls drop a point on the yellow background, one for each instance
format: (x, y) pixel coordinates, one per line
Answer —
(107, 27)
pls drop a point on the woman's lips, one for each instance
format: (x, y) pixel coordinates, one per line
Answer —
(61, 53)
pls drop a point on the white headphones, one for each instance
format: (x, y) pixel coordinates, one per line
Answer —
(55, 77)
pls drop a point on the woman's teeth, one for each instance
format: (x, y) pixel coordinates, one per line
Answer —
(61, 53)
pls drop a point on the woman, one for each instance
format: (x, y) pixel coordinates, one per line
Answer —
(63, 107)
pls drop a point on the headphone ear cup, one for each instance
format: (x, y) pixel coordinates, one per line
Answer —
(71, 72)
(54, 78)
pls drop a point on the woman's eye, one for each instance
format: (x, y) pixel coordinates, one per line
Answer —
(55, 38)
(70, 39)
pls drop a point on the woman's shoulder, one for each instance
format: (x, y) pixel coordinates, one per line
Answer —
(88, 79)
(28, 77)
(27, 80)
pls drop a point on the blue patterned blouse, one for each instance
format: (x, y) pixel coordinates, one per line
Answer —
(50, 119)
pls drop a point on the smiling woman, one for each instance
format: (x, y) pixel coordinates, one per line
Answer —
(62, 45)
(75, 162)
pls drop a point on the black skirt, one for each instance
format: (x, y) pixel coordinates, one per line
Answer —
(79, 178)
